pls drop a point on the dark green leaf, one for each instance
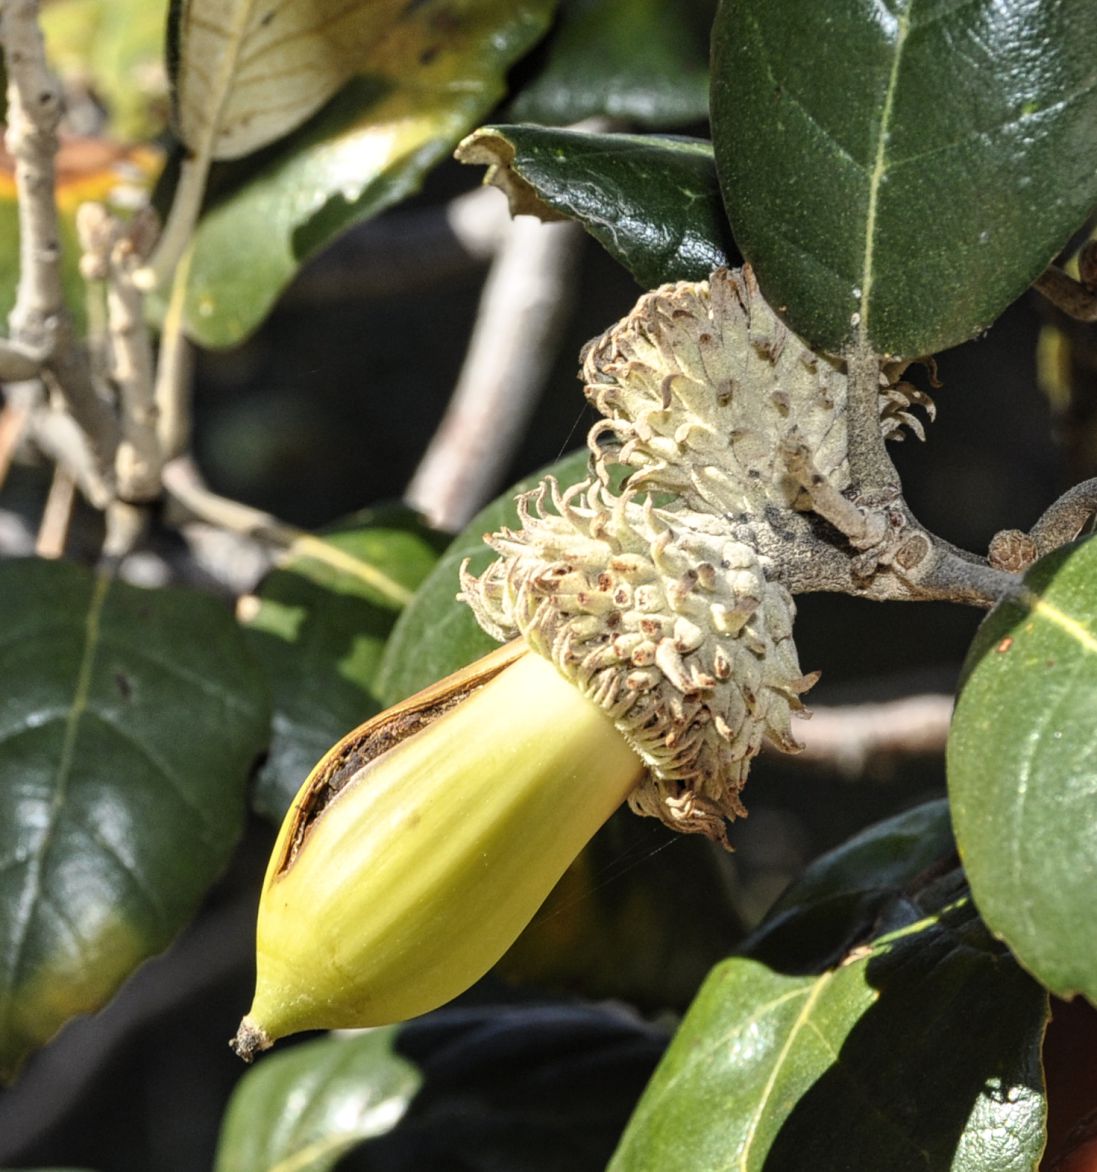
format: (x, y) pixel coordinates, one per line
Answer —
(435, 635)
(1022, 765)
(653, 203)
(642, 61)
(839, 899)
(318, 629)
(301, 1110)
(535, 1088)
(902, 172)
(129, 723)
(440, 68)
(919, 1052)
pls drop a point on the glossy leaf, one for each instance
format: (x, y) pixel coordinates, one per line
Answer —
(901, 172)
(644, 62)
(303, 1109)
(653, 203)
(857, 1066)
(842, 896)
(1022, 763)
(87, 169)
(129, 723)
(318, 627)
(541, 1088)
(436, 634)
(538, 1087)
(113, 49)
(423, 85)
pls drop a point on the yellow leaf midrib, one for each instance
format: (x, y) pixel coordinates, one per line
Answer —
(876, 179)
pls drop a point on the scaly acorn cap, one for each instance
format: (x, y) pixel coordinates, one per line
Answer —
(653, 599)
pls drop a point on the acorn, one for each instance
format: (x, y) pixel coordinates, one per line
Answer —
(423, 843)
(654, 656)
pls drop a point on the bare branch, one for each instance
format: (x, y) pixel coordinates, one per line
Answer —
(126, 525)
(53, 432)
(863, 527)
(184, 487)
(174, 371)
(510, 355)
(39, 322)
(19, 361)
(1069, 295)
(54, 529)
(13, 424)
(1064, 520)
(34, 111)
(60, 438)
(846, 738)
(890, 555)
(870, 464)
(139, 460)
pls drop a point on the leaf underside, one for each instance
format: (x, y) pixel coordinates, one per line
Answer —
(416, 90)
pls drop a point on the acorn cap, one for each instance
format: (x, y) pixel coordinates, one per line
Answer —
(653, 599)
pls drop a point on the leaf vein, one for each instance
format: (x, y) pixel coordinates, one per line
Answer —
(767, 1092)
(33, 885)
(876, 176)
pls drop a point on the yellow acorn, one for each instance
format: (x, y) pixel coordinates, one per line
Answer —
(655, 657)
(423, 843)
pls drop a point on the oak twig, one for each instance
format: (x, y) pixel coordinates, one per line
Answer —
(513, 346)
(848, 736)
(39, 322)
(1064, 520)
(19, 361)
(61, 439)
(1069, 295)
(886, 554)
(130, 361)
(183, 486)
(54, 527)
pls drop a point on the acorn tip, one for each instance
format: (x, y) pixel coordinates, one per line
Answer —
(250, 1040)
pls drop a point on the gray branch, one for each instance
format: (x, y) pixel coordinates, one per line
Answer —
(1071, 296)
(40, 323)
(846, 738)
(510, 355)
